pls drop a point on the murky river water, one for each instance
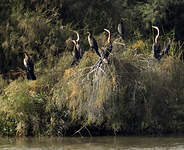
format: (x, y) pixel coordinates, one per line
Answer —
(94, 143)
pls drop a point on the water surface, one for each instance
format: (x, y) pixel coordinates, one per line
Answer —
(94, 143)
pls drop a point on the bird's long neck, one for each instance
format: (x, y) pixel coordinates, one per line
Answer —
(26, 57)
(156, 38)
(109, 36)
(77, 40)
(169, 40)
(90, 35)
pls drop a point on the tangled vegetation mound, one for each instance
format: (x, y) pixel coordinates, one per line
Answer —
(125, 96)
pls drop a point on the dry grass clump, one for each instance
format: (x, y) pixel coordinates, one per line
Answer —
(92, 98)
(139, 46)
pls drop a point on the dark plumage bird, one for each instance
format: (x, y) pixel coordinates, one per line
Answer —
(78, 51)
(29, 67)
(156, 48)
(78, 45)
(121, 29)
(108, 47)
(166, 49)
(76, 54)
(93, 43)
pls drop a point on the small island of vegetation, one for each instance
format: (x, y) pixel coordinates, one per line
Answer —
(53, 82)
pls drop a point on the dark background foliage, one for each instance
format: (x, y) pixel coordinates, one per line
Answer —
(81, 15)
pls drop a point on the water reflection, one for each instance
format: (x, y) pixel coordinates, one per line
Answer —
(95, 143)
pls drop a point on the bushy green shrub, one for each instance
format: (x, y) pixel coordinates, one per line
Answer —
(22, 108)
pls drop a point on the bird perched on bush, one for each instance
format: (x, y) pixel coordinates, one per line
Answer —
(76, 54)
(156, 48)
(106, 50)
(28, 63)
(166, 49)
(93, 43)
(121, 29)
(78, 50)
(108, 46)
(78, 45)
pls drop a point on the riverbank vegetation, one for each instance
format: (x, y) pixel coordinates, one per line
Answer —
(133, 94)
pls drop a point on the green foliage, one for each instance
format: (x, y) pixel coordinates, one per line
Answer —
(21, 108)
(165, 13)
(33, 32)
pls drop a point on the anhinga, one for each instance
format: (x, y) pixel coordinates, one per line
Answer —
(76, 54)
(108, 46)
(77, 50)
(156, 48)
(121, 29)
(28, 63)
(166, 48)
(77, 44)
(93, 43)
